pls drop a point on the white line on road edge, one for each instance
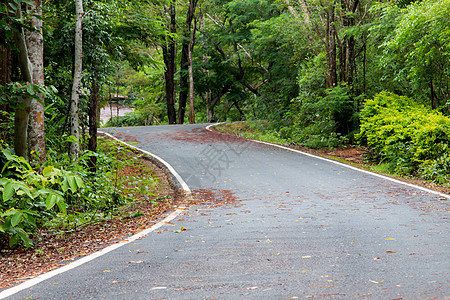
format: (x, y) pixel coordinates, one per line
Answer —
(346, 165)
(85, 259)
(168, 166)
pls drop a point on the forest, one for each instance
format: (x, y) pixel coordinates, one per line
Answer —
(319, 73)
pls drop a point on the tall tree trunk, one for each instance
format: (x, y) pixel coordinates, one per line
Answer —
(5, 57)
(330, 47)
(212, 102)
(191, 78)
(117, 101)
(433, 96)
(364, 68)
(351, 61)
(184, 77)
(5, 66)
(210, 114)
(23, 106)
(35, 43)
(74, 149)
(169, 56)
(347, 45)
(110, 109)
(184, 64)
(351, 45)
(93, 122)
(241, 113)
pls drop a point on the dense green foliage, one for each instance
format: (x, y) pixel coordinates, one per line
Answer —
(420, 52)
(406, 136)
(62, 195)
(28, 195)
(327, 121)
(60, 192)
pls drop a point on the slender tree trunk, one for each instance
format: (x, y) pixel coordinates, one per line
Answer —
(169, 56)
(364, 68)
(210, 114)
(5, 67)
(191, 78)
(110, 109)
(5, 73)
(347, 45)
(351, 45)
(433, 96)
(351, 61)
(93, 123)
(213, 102)
(343, 46)
(184, 64)
(241, 113)
(5, 57)
(23, 106)
(93, 116)
(330, 46)
(117, 102)
(182, 99)
(35, 43)
(74, 149)
(210, 110)
(5, 64)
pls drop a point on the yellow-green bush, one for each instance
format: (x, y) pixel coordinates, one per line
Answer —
(406, 136)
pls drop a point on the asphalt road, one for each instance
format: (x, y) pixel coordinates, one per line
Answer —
(293, 227)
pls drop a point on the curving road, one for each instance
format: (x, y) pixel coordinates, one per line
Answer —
(293, 227)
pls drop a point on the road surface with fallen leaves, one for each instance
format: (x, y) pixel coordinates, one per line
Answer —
(278, 225)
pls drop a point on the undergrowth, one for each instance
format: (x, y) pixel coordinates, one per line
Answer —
(406, 138)
(255, 130)
(63, 195)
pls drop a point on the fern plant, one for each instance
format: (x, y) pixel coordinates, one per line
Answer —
(29, 196)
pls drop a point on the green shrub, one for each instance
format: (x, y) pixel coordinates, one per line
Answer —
(406, 136)
(130, 119)
(327, 121)
(29, 197)
(66, 194)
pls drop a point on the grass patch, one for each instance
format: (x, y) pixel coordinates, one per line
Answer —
(255, 130)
